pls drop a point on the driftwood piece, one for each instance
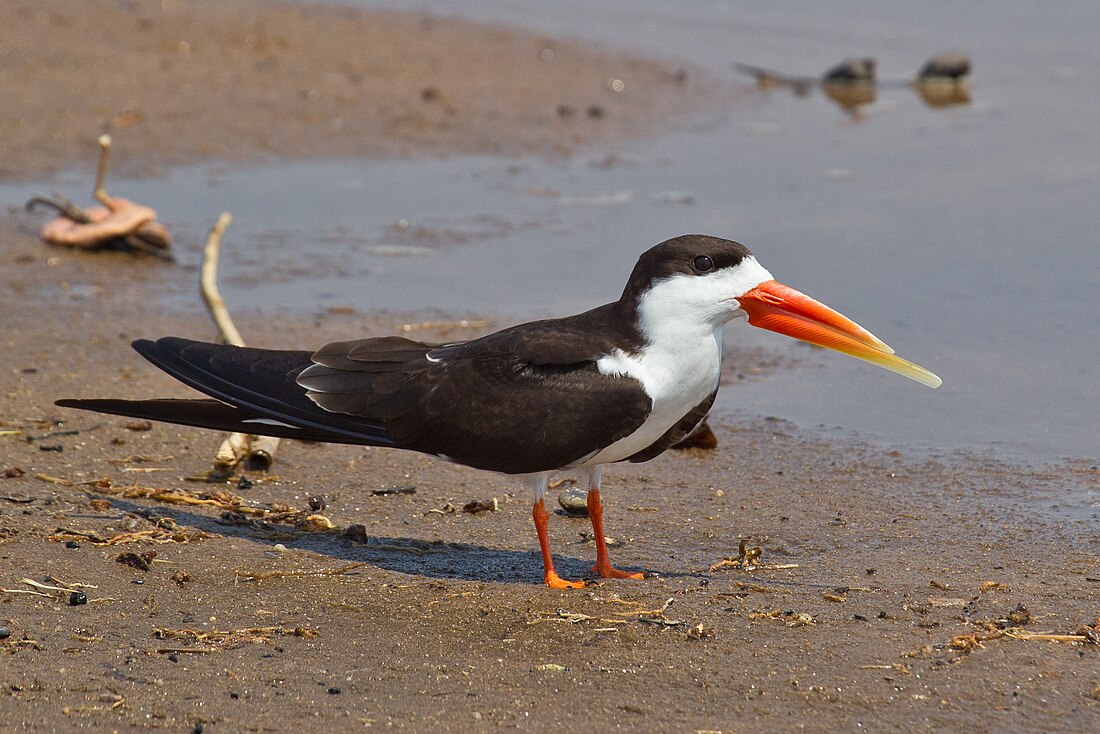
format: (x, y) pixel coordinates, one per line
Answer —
(257, 452)
(119, 223)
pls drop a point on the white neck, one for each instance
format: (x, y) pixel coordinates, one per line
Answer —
(679, 366)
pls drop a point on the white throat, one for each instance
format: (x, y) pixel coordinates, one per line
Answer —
(679, 366)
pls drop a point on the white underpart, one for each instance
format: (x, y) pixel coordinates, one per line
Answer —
(590, 476)
(681, 319)
(268, 422)
(537, 482)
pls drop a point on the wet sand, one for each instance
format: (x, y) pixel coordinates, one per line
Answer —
(877, 567)
(178, 82)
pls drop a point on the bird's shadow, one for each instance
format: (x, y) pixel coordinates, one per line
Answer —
(438, 560)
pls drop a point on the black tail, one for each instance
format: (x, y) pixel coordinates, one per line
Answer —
(207, 414)
(257, 390)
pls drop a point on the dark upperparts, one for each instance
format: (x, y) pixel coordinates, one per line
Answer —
(676, 256)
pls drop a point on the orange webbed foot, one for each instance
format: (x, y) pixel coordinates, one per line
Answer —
(610, 572)
(556, 582)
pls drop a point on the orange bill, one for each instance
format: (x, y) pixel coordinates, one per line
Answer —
(779, 308)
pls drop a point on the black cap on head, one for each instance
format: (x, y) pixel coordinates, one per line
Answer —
(689, 254)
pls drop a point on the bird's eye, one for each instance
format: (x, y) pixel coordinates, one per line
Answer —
(702, 264)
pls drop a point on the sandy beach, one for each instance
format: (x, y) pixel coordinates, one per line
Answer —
(892, 591)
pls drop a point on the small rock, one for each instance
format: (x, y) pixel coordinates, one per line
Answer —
(478, 506)
(71, 544)
(100, 505)
(138, 426)
(334, 691)
(317, 503)
(12, 473)
(77, 598)
(1020, 615)
(356, 533)
(181, 577)
(142, 561)
(51, 447)
(244, 483)
(574, 501)
(701, 437)
(5, 633)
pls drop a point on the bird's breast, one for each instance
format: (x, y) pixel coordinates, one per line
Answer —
(676, 377)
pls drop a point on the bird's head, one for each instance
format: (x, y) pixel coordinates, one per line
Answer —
(699, 282)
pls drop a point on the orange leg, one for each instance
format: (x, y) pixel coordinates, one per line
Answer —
(552, 579)
(603, 561)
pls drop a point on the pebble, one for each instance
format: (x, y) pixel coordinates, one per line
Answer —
(279, 547)
(574, 501)
(5, 633)
(71, 544)
(334, 691)
(356, 533)
(77, 598)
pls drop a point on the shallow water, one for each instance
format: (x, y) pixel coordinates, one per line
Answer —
(963, 236)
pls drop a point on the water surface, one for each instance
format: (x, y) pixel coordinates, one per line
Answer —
(964, 236)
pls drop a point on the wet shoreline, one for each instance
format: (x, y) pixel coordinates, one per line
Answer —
(887, 594)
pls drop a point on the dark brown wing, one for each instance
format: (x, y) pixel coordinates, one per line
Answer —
(522, 400)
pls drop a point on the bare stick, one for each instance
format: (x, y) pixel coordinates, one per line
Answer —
(261, 453)
(209, 282)
(231, 452)
(260, 450)
(100, 190)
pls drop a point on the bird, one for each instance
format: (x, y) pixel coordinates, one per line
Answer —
(620, 382)
(951, 67)
(852, 71)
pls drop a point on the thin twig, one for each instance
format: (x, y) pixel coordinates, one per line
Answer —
(43, 587)
(26, 591)
(100, 190)
(209, 283)
(260, 451)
